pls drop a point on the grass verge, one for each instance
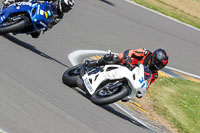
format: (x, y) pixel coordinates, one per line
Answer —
(177, 101)
(175, 9)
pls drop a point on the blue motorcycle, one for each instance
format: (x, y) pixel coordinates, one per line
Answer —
(27, 17)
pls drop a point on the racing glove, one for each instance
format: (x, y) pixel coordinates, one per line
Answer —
(90, 63)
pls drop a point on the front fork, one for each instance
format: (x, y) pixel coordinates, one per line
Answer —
(82, 70)
(79, 81)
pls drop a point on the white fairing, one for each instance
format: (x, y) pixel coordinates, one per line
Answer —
(118, 72)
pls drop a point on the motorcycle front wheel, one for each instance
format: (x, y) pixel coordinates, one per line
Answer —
(101, 98)
(16, 25)
(71, 75)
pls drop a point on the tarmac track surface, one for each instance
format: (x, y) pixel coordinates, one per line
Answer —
(32, 96)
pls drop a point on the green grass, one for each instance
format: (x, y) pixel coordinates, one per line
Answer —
(178, 101)
(171, 11)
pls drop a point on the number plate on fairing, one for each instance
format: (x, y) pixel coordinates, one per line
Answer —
(88, 85)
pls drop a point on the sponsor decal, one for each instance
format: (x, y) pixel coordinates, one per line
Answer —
(87, 84)
(43, 24)
(24, 3)
(143, 85)
(164, 62)
(141, 80)
(38, 10)
(49, 13)
(2, 18)
(34, 4)
(46, 14)
(41, 12)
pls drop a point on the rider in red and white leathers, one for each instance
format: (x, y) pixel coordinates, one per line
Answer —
(154, 61)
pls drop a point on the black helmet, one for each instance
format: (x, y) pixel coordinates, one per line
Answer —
(159, 59)
(65, 5)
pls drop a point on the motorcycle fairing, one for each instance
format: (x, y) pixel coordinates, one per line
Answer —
(94, 80)
(37, 12)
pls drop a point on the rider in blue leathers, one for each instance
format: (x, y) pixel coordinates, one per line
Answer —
(60, 7)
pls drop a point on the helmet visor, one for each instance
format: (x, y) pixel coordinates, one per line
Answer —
(157, 64)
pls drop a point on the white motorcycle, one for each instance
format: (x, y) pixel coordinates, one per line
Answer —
(110, 83)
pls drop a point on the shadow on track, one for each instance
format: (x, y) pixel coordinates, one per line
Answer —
(121, 115)
(112, 110)
(31, 48)
(107, 2)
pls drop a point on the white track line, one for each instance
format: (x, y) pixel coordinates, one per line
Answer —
(132, 2)
(186, 73)
(133, 116)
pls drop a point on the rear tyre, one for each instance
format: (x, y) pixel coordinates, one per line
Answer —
(70, 76)
(103, 100)
(14, 26)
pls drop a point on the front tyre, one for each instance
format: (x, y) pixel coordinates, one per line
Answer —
(15, 25)
(100, 99)
(71, 75)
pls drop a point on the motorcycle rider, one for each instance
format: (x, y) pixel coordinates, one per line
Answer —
(59, 8)
(155, 61)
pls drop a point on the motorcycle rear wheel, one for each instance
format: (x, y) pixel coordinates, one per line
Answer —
(15, 26)
(69, 77)
(103, 100)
